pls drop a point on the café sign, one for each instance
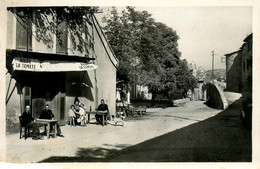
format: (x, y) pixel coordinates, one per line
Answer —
(36, 65)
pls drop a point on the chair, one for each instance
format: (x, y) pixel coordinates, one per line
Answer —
(26, 129)
(120, 111)
(139, 110)
(142, 109)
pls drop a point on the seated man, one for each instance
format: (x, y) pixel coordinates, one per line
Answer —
(47, 114)
(27, 121)
(102, 107)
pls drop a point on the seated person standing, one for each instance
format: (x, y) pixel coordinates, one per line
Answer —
(102, 107)
(76, 108)
(47, 114)
(27, 120)
(82, 114)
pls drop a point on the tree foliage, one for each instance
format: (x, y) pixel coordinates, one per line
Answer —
(48, 19)
(147, 51)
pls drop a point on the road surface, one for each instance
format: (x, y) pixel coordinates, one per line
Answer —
(95, 143)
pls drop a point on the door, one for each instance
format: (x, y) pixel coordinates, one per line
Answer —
(62, 108)
(49, 88)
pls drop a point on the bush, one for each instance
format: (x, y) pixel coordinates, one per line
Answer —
(12, 126)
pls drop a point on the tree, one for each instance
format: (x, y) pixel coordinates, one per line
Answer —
(147, 51)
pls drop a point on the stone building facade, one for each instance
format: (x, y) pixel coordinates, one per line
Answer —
(247, 60)
(239, 66)
(233, 71)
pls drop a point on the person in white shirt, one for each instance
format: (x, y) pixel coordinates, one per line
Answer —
(82, 114)
(72, 115)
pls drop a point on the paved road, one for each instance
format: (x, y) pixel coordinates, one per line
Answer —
(95, 143)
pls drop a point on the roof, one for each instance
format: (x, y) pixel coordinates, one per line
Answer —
(112, 57)
(249, 37)
(228, 54)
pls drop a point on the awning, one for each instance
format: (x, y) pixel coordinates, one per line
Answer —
(35, 65)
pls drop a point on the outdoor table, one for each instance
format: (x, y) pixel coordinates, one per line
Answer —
(48, 123)
(103, 113)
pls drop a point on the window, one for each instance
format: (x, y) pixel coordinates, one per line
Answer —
(23, 35)
(27, 91)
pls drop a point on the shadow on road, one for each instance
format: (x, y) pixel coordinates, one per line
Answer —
(98, 154)
(221, 138)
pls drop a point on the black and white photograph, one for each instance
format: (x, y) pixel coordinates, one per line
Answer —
(128, 84)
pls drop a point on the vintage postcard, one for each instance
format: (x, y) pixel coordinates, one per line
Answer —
(120, 84)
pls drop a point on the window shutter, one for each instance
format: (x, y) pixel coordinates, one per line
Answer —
(29, 36)
(23, 35)
(62, 48)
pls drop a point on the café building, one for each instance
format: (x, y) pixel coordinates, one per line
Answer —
(37, 74)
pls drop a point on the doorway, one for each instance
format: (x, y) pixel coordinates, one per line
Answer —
(49, 88)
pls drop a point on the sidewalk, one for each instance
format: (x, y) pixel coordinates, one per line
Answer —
(96, 143)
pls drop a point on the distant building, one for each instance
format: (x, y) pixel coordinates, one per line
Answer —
(140, 92)
(239, 66)
(193, 67)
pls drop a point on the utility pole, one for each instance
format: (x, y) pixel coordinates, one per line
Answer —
(212, 73)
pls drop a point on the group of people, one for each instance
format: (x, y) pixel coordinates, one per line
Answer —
(77, 113)
(29, 121)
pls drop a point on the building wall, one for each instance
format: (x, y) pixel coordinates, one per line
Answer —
(233, 72)
(13, 107)
(216, 96)
(140, 92)
(239, 66)
(85, 93)
(246, 59)
(105, 73)
(95, 84)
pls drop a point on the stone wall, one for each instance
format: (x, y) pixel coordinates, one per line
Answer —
(216, 98)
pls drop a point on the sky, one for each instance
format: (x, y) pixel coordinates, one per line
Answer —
(204, 29)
